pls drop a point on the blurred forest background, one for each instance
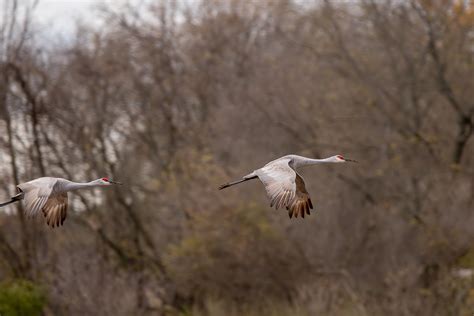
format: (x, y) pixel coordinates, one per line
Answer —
(174, 98)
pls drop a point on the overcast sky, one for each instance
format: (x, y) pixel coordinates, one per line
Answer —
(59, 16)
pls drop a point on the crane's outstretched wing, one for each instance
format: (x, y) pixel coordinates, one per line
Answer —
(55, 209)
(285, 187)
(36, 194)
(44, 195)
(302, 202)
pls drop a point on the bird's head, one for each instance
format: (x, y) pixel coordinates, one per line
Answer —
(340, 158)
(105, 181)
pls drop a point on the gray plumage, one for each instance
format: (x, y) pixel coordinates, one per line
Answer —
(284, 186)
(50, 196)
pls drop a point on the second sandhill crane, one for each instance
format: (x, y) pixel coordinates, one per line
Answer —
(284, 186)
(49, 195)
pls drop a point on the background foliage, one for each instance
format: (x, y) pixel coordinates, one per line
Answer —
(174, 98)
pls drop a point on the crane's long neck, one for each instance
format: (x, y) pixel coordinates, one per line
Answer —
(72, 186)
(310, 161)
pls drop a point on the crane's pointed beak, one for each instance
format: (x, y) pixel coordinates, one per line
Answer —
(115, 182)
(350, 160)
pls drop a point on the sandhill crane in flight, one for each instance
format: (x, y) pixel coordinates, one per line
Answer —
(49, 195)
(284, 186)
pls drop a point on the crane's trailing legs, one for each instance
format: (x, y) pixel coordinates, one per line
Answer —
(14, 199)
(246, 178)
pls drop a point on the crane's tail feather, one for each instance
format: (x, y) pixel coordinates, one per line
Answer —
(14, 199)
(226, 185)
